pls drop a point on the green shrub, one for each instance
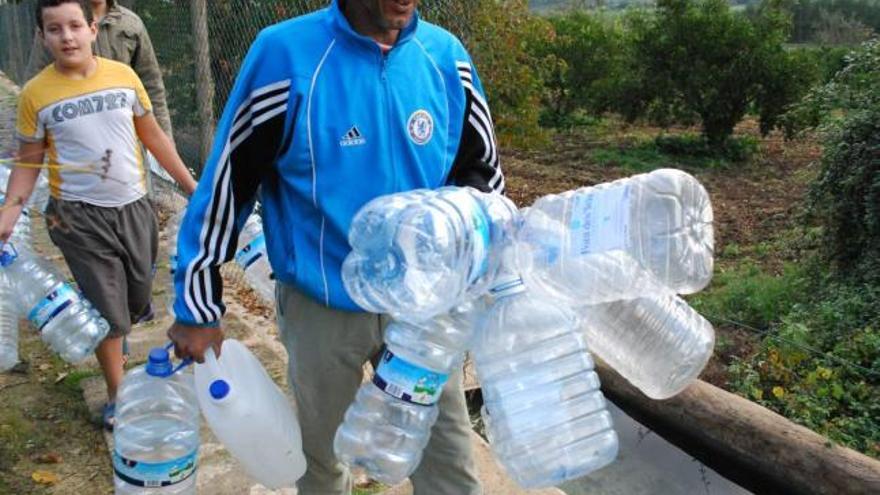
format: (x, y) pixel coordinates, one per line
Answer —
(696, 60)
(820, 366)
(845, 198)
(584, 61)
(749, 296)
(500, 39)
(735, 150)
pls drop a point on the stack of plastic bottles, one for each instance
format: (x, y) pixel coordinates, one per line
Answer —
(21, 237)
(156, 435)
(546, 419)
(419, 256)
(618, 253)
(67, 322)
(595, 270)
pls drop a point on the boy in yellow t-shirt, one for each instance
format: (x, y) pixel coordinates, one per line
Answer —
(86, 114)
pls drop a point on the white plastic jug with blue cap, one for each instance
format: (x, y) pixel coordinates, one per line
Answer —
(156, 435)
(250, 415)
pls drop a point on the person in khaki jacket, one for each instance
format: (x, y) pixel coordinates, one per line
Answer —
(121, 37)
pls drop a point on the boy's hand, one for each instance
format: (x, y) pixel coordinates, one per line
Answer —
(192, 342)
(8, 217)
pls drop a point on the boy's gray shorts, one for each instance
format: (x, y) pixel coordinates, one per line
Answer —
(111, 252)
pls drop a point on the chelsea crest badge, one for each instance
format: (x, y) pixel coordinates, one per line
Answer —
(420, 127)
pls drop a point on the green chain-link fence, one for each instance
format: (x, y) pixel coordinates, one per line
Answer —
(222, 35)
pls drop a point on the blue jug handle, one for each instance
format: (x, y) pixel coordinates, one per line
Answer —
(183, 364)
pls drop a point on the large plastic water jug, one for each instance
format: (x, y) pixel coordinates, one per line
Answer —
(156, 435)
(250, 415)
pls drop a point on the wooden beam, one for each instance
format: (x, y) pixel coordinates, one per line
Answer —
(746, 443)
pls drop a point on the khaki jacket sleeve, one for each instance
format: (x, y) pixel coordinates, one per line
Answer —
(38, 60)
(146, 66)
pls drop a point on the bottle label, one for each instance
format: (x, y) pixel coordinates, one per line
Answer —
(254, 250)
(154, 474)
(600, 220)
(60, 297)
(408, 382)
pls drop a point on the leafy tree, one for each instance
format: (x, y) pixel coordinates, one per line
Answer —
(502, 32)
(699, 61)
(846, 196)
(584, 58)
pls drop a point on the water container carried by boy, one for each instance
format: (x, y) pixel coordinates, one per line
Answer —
(250, 415)
(253, 259)
(545, 416)
(39, 197)
(389, 424)
(67, 322)
(660, 345)
(641, 236)
(8, 325)
(156, 435)
(21, 232)
(418, 254)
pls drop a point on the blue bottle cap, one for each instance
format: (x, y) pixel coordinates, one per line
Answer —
(159, 363)
(8, 255)
(219, 389)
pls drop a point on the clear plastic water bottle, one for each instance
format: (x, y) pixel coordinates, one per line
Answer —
(172, 230)
(621, 240)
(545, 417)
(67, 322)
(418, 254)
(8, 325)
(250, 415)
(660, 345)
(39, 197)
(21, 232)
(389, 424)
(156, 435)
(253, 259)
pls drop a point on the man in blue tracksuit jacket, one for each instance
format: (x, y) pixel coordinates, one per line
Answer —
(329, 111)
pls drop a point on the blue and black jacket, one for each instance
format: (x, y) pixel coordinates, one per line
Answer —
(321, 121)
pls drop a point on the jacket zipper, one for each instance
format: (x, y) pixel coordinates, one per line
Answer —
(390, 119)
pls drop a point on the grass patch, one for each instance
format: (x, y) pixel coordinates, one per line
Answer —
(678, 150)
(817, 359)
(748, 295)
(72, 381)
(820, 367)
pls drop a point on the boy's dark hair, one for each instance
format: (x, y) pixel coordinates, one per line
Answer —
(85, 5)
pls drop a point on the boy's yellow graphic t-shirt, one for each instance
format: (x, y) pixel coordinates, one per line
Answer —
(94, 155)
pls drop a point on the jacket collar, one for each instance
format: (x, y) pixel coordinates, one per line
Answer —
(340, 25)
(113, 15)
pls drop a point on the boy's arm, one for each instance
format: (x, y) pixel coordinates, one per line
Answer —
(163, 149)
(20, 186)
